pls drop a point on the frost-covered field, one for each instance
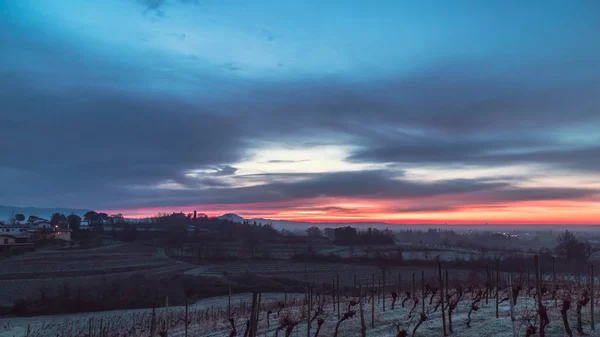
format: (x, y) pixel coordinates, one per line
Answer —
(208, 318)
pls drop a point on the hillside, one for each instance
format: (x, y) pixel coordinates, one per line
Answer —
(6, 212)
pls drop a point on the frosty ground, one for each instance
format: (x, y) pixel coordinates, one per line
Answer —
(137, 322)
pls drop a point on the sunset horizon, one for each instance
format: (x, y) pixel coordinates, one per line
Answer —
(550, 215)
(402, 113)
(175, 168)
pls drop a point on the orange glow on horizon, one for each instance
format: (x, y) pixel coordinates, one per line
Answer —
(331, 210)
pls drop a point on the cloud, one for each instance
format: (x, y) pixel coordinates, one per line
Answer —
(452, 100)
(87, 124)
(375, 184)
(157, 4)
(482, 152)
(423, 149)
(277, 161)
(424, 209)
(230, 66)
(225, 170)
(585, 158)
(362, 184)
(368, 186)
(152, 4)
(121, 140)
(124, 139)
(516, 194)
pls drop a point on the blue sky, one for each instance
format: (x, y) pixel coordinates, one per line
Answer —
(146, 104)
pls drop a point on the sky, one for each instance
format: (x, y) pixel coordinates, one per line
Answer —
(397, 111)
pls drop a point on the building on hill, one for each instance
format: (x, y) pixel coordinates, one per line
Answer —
(20, 238)
(45, 230)
(15, 241)
(62, 234)
(39, 231)
(13, 230)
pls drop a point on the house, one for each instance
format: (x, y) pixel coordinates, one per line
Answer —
(62, 234)
(15, 242)
(45, 230)
(15, 238)
(6, 240)
(13, 230)
(38, 231)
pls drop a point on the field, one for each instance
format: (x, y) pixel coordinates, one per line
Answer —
(48, 270)
(318, 272)
(208, 318)
(338, 289)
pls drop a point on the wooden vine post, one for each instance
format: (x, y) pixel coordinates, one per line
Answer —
(398, 285)
(309, 304)
(593, 299)
(487, 283)
(167, 322)
(257, 315)
(383, 289)
(152, 323)
(305, 273)
(423, 290)
(229, 304)
(253, 315)
(187, 321)
(337, 275)
(363, 327)
(554, 282)
(528, 283)
(442, 297)
(447, 280)
(378, 289)
(538, 294)
(513, 319)
(414, 287)
(373, 305)
(498, 287)
(333, 293)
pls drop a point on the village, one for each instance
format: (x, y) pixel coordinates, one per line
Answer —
(17, 237)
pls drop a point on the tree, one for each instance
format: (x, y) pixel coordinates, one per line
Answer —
(74, 221)
(116, 218)
(57, 219)
(570, 248)
(91, 217)
(399, 255)
(19, 217)
(103, 217)
(345, 235)
(32, 220)
(314, 231)
(329, 233)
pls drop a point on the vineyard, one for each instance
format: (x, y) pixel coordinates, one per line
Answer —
(386, 304)
(317, 273)
(48, 270)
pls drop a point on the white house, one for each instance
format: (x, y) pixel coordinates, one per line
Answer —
(62, 234)
(16, 242)
(13, 230)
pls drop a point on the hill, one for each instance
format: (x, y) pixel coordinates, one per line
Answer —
(6, 212)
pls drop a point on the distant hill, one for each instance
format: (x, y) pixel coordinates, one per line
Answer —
(301, 226)
(6, 212)
(232, 217)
